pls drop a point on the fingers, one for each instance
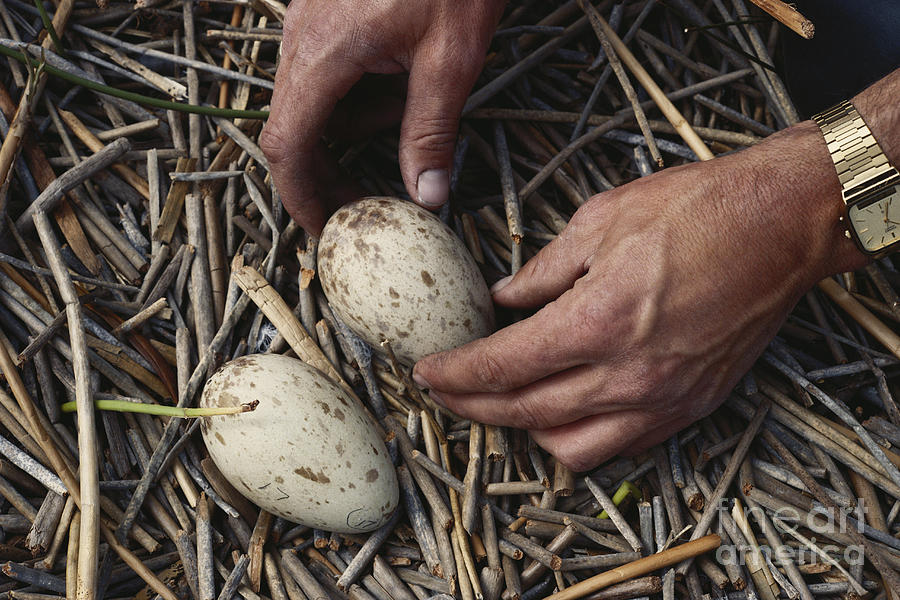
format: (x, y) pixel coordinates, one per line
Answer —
(513, 357)
(439, 82)
(656, 436)
(555, 400)
(584, 444)
(547, 275)
(552, 340)
(306, 91)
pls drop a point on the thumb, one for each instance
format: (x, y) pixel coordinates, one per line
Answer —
(438, 87)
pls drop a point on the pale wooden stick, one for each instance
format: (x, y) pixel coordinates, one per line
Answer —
(510, 199)
(141, 317)
(75, 176)
(257, 540)
(472, 480)
(72, 556)
(193, 79)
(173, 207)
(824, 555)
(201, 288)
(279, 313)
(137, 565)
(465, 563)
(861, 315)
(62, 532)
(640, 567)
(87, 434)
(665, 105)
(157, 266)
(616, 64)
(132, 129)
(759, 570)
(218, 265)
(90, 140)
(19, 125)
(731, 469)
(36, 470)
(788, 16)
(163, 83)
(615, 516)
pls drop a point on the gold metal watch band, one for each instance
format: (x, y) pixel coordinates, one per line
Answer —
(861, 165)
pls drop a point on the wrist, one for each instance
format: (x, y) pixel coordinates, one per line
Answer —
(797, 179)
(798, 186)
(878, 107)
(861, 137)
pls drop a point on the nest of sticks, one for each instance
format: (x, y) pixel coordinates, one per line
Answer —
(123, 218)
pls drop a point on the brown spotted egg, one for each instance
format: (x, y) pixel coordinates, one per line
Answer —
(393, 271)
(309, 453)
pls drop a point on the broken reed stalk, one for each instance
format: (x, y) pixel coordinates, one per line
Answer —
(788, 16)
(616, 65)
(866, 319)
(89, 504)
(278, 312)
(510, 198)
(33, 89)
(737, 457)
(640, 567)
(665, 105)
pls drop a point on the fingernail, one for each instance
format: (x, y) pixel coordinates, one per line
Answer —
(501, 284)
(433, 187)
(421, 381)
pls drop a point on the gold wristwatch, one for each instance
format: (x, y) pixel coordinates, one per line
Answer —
(870, 185)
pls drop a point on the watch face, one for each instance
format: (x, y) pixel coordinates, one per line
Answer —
(876, 221)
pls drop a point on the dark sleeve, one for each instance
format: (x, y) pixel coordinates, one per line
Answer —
(855, 44)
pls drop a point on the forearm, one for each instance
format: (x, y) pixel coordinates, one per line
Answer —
(879, 107)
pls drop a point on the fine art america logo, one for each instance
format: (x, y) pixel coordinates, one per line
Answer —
(817, 535)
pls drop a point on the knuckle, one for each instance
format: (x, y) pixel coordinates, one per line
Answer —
(275, 144)
(360, 47)
(316, 38)
(542, 263)
(490, 373)
(296, 21)
(436, 134)
(591, 211)
(531, 414)
(573, 456)
(293, 21)
(647, 385)
(586, 322)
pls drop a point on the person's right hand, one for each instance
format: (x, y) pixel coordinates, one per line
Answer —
(328, 46)
(654, 300)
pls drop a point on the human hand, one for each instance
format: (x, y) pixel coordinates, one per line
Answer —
(328, 47)
(661, 295)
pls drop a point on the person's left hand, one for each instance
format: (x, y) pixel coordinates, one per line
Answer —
(661, 295)
(337, 56)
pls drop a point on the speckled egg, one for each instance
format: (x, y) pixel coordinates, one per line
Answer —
(392, 270)
(308, 453)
